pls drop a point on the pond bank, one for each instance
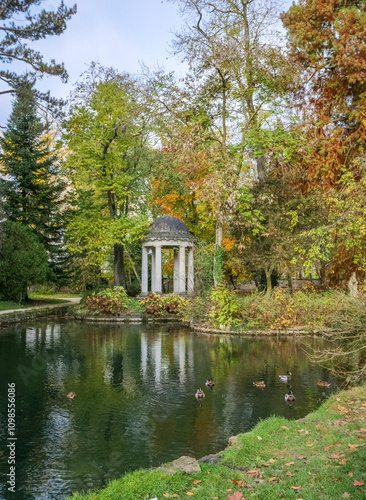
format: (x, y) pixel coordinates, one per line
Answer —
(31, 313)
(319, 456)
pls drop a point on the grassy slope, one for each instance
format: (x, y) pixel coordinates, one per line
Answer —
(319, 457)
(36, 300)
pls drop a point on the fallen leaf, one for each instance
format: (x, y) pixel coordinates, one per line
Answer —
(350, 474)
(309, 445)
(363, 404)
(343, 461)
(352, 447)
(337, 455)
(259, 480)
(326, 448)
(255, 473)
(271, 461)
(290, 463)
(273, 480)
(238, 495)
(338, 399)
(166, 495)
(358, 483)
(260, 439)
(288, 473)
(208, 472)
(284, 427)
(189, 493)
(362, 430)
(300, 457)
(346, 495)
(296, 489)
(196, 481)
(342, 408)
(337, 479)
(240, 484)
(311, 474)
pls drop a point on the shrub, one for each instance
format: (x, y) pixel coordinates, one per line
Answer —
(225, 308)
(162, 305)
(23, 261)
(111, 301)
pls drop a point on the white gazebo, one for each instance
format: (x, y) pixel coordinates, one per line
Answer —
(168, 232)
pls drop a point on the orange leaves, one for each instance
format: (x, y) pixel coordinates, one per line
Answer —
(228, 244)
(238, 495)
(358, 483)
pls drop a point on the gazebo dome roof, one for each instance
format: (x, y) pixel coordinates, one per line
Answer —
(169, 228)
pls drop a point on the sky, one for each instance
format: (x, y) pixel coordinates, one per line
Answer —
(117, 33)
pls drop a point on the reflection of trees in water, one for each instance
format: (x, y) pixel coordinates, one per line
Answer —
(344, 355)
(135, 386)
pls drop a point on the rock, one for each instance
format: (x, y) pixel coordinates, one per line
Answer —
(188, 465)
(210, 459)
(233, 440)
(168, 470)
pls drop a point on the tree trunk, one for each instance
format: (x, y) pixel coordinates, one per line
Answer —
(289, 283)
(217, 274)
(261, 171)
(119, 266)
(269, 282)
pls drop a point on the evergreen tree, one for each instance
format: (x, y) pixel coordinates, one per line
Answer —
(23, 261)
(32, 187)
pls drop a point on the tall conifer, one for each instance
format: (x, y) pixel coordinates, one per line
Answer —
(31, 184)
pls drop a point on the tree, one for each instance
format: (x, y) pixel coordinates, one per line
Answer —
(23, 261)
(20, 25)
(32, 187)
(238, 79)
(107, 135)
(328, 40)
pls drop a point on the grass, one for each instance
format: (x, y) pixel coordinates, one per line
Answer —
(319, 457)
(37, 299)
(307, 309)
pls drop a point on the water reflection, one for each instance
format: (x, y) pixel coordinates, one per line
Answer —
(135, 404)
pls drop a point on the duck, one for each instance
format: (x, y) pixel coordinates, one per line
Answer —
(285, 378)
(289, 397)
(199, 394)
(321, 383)
(261, 383)
(71, 395)
(210, 383)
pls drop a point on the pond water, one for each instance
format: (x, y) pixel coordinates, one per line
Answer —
(135, 404)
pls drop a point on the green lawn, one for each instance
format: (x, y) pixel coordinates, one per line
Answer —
(322, 456)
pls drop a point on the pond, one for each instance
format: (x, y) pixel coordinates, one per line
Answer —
(135, 404)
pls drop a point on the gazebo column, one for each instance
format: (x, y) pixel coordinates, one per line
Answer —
(176, 272)
(190, 270)
(158, 274)
(144, 272)
(182, 269)
(153, 266)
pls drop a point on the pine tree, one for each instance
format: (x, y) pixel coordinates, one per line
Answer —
(32, 189)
